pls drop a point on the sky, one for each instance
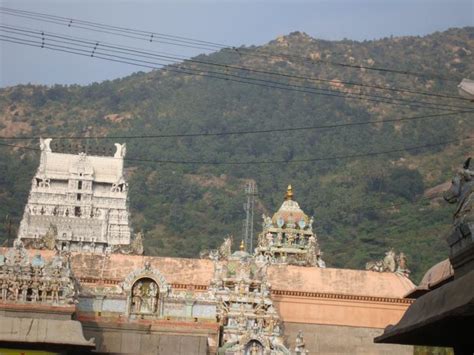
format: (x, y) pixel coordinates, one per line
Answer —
(233, 23)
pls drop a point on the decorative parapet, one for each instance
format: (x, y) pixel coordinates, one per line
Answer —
(36, 281)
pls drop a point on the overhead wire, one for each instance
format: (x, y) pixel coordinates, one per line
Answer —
(95, 50)
(170, 42)
(239, 51)
(255, 131)
(75, 52)
(222, 76)
(173, 57)
(149, 36)
(365, 208)
(284, 161)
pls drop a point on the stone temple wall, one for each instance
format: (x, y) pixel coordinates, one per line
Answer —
(339, 311)
(336, 339)
(145, 341)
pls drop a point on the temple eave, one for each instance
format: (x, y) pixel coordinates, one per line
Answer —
(442, 317)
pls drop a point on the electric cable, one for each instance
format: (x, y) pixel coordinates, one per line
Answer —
(173, 57)
(99, 53)
(149, 36)
(264, 162)
(229, 133)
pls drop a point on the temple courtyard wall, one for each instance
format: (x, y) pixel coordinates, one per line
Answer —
(340, 311)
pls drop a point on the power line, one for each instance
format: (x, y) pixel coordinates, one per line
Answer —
(156, 39)
(93, 50)
(223, 76)
(71, 22)
(261, 131)
(173, 57)
(186, 41)
(345, 157)
(286, 161)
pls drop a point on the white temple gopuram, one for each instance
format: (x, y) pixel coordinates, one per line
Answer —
(78, 202)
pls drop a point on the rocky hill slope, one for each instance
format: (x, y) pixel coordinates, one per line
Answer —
(362, 205)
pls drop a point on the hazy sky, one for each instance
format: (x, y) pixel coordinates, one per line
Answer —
(229, 22)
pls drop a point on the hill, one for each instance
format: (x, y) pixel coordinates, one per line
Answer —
(362, 205)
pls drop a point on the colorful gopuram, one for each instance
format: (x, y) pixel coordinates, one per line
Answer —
(288, 237)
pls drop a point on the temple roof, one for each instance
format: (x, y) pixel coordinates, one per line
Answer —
(59, 166)
(339, 281)
(240, 254)
(290, 211)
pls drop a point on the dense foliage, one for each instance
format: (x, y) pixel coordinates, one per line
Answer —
(362, 206)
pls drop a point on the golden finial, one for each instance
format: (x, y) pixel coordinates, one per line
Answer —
(289, 193)
(242, 245)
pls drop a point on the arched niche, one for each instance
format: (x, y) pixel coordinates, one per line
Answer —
(146, 289)
(254, 347)
(145, 296)
(255, 344)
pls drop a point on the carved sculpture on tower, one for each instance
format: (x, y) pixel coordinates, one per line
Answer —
(288, 237)
(79, 202)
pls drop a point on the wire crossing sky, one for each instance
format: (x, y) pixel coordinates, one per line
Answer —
(95, 49)
(231, 23)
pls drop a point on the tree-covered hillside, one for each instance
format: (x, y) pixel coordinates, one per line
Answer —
(362, 205)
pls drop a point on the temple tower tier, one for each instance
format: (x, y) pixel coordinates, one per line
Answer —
(288, 237)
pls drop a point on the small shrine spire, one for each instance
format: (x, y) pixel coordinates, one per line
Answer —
(289, 193)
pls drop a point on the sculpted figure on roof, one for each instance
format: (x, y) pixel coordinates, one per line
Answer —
(300, 346)
(45, 144)
(462, 193)
(460, 239)
(390, 263)
(222, 253)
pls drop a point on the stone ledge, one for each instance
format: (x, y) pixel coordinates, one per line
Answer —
(341, 296)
